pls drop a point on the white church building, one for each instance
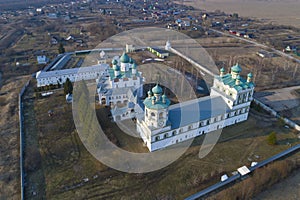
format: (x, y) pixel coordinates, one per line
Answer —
(163, 124)
(121, 87)
(45, 78)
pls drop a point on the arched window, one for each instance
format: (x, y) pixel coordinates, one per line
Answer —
(153, 114)
(157, 138)
(174, 133)
(166, 135)
(161, 115)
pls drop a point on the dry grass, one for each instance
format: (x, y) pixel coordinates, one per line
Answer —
(9, 139)
(275, 72)
(281, 12)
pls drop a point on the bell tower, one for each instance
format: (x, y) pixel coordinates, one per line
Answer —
(156, 108)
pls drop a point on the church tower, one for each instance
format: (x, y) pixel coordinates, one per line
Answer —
(125, 62)
(236, 91)
(156, 108)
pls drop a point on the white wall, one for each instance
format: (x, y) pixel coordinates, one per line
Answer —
(188, 132)
(62, 78)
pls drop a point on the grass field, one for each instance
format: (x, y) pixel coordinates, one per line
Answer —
(65, 163)
(9, 134)
(281, 12)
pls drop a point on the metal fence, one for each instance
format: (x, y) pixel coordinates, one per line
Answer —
(232, 179)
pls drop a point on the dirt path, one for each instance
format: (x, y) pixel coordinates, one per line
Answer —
(287, 189)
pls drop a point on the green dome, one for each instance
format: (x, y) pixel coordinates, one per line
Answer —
(153, 98)
(134, 66)
(124, 58)
(116, 67)
(250, 75)
(222, 69)
(131, 61)
(150, 93)
(114, 62)
(236, 68)
(238, 77)
(157, 89)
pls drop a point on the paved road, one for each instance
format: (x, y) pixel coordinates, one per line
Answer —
(257, 44)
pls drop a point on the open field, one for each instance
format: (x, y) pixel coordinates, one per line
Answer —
(9, 134)
(65, 163)
(281, 12)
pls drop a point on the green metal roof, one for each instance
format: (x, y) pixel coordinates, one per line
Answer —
(124, 58)
(158, 104)
(134, 66)
(114, 62)
(228, 80)
(222, 69)
(127, 74)
(236, 68)
(131, 60)
(157, 89)
(116, 67)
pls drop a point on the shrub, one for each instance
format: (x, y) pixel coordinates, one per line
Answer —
(272, 139)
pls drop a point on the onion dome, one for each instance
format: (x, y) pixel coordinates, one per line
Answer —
(124, 58)
(238, 80)
(236, 68)
(250, 75)
(131, 61)
(114, 62)
(116, 68)
(222, 70)
(149, 93)
(157, 89)
(134, 66)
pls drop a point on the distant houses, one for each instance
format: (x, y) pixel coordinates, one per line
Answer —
(264, 54)
(290, 48)
(161, 53)
(42, 59)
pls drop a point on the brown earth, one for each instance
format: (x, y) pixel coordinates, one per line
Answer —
(280, 12)
(9, 138)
